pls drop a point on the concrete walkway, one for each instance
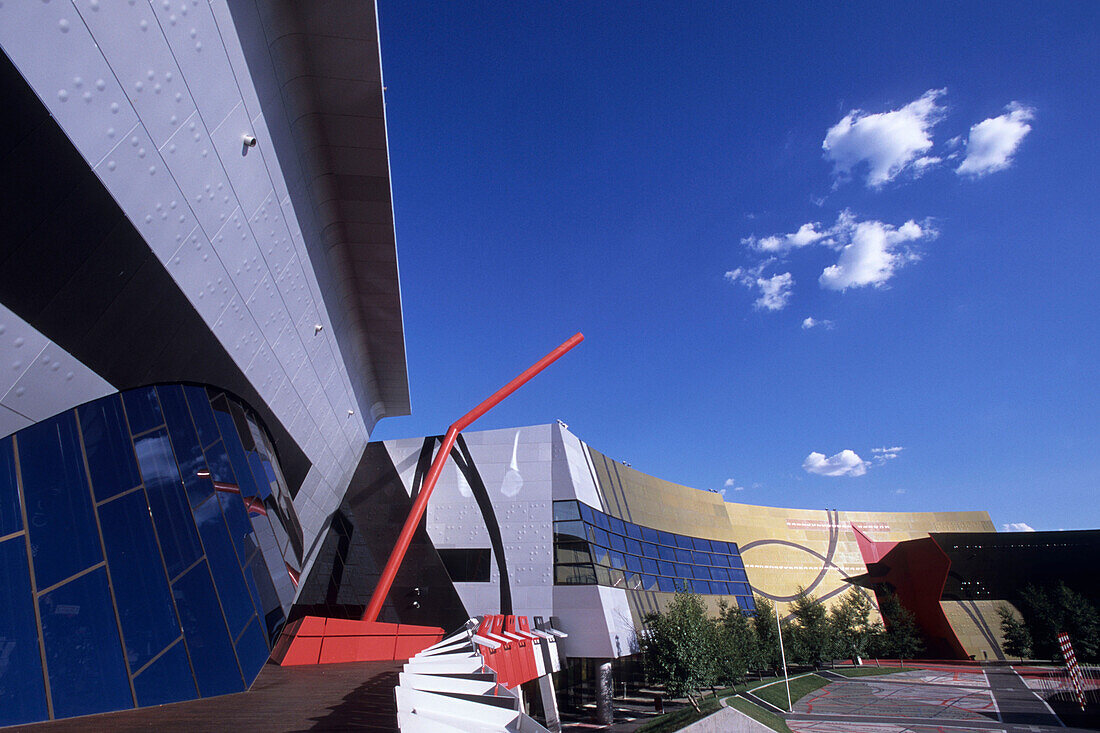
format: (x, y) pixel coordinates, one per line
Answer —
(727, 720)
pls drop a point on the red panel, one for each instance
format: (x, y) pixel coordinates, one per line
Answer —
(308, 626)
(357, 649)
(871, 550)
(409, 645)
(302, 650)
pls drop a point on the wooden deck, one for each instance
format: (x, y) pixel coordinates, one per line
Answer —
(328, 697)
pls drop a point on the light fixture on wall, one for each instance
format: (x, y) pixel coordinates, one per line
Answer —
(318, 328)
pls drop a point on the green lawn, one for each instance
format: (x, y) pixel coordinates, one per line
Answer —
(868, 671)
(682, 717)
(776, 693)
(759, 714)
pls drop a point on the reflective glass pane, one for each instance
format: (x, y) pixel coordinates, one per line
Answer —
(574, 575)
(602, 520)
(143, 409)
(683, 542)
(617, 560)
(746, 602)
(738, 574)
(22, 689)
(258, 576)
(724, 560)
(702, 586)
(201, 413)
(616, 525)
(666, 538)
(723, 547)
(149, 622)
(618, 579)
(240, 529)
(683, 555)
(166, 680)
(11, 517)
(720, 588)
(569, 531)
(700, 573)
(252, 651)
(700, 558)
(107, 444)
(683, 571)
(217, 460)
(649, 582)
(667, 568)
(741, 589)
(701, 544)
(650, 566)
(59, 504)
(226, 569)
(720, 573)
(633, 530)
(185, 441)
(634, 581)
(566, 510)
(259, 473)
(634, 563)
(233, 446)
(666, 553)
(599, 554)
(634, 547)
(212, 655)
(735, 561)
(81, 635)
(171, 512)
(617, 543)
(588, 514)
(667, 585)
(650, 535)
(603, 575)
(650, 550)
(572, 552)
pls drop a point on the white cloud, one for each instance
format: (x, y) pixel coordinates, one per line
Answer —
(888, 142)
(899, 492)
(806, 234)
(882, 455)
(731, 484)
(810, 322)
(844, 463)
(993, 142)
(871, 253)
(1016, 527)
(775, 291)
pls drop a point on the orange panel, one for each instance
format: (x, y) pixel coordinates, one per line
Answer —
(302, 650)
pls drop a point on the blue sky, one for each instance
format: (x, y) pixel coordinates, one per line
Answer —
(632, 171)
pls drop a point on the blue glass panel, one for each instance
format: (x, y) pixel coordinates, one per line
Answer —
(602, 520)
(634, 547)
(11, 517)
(588, 514)
(171, 512)
(566, 510)
(240, 529)
(185, 441)
(144, 599)
(700, 573)
(59, 504)
(616, 525)
(633, 530)
(617, 542)
(738, 574)
(107, 443)
(683, 542)
(143, 409)
(599, 554)
(202, 414)
(701, 544)
(723, 547)
(618, 579)
(259, 474)
(735, 561)
(667, 538)
(252, 651)
(720, 573)
(166, 680)
(747, 603)
(563, 531)
(212, 655)
(224, 566)
(684, 571)
(741, 589)
(649, 566)
(700, 558)
(22, 689)
(666, 553)
(617, 560)
(233, 446)
(648, 582)
(634, 563)
(720, 588)
(258, 577)
(650, 550)
(668, 585)
(703, 587)
(683, 555)
(667, 568)
(722, 561)
(221, 468)
(650, 535)
(83, 651)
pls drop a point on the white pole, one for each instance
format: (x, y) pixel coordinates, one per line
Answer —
(783, 654)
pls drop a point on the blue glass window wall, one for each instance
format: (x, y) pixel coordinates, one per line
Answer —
(136, 578)
(593, 548)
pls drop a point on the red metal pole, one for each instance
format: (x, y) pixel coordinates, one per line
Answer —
(417, 512)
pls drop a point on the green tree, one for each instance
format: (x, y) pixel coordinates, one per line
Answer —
(1081, 622)
(853, 630)
(812, 637)
(1017, 639)
(767, 636)
(903, 638)
(1048, 611)
(737, 642)
(680, 646)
